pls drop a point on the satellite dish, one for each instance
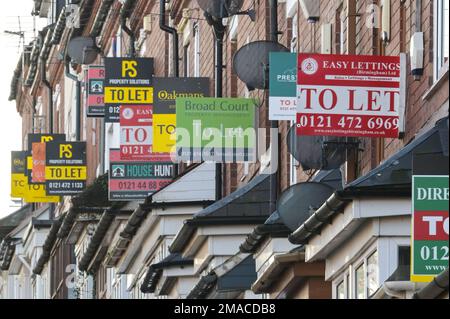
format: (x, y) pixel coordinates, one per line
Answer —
(82, 50)
(251, 63)
(299, 201)
(221, 8)
(317, 152)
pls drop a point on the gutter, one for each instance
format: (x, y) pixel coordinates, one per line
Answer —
(34, 56)
(48, 246)
(399, 289)
(320, 217)
(260, 233)
(100, 18)
(435, 288)
(270, 275)
(96, 240)
(203, 287)
(100, 232)
(164, 27)
(59, 27)
(191, 225)
(155, 272)
(15, 80)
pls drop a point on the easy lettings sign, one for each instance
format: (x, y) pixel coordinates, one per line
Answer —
(430, 227)
(216, 129)
(347, 95)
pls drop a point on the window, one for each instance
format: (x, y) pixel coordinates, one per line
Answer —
(441, 36)
(186, 60)
(340, 291)
(197, 50)
(372, 274)
(294, 41)
(402, 23)
(359, 282)
(339, 32)
(404, 256)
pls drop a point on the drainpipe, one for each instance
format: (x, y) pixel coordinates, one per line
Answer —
(163, 26)
(219, 33)
(274, 124)
(123, 24)
(175, 55)
(47, 84)
(78, 100)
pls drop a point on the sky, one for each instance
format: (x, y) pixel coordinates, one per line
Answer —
(15, 17)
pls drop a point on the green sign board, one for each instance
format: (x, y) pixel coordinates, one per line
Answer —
(282, 86)
(216, 129)
(430, 225)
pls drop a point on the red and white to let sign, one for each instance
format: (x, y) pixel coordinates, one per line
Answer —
(346, 95)
(136, 132)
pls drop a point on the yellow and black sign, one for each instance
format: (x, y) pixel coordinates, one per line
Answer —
(65, 168)
(129, 95)
(164, 133)
(20, 188)
(127, 81)
(18, 178)
(38, 138)
(167, 90)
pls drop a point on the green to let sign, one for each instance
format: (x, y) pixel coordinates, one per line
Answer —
(282, 86)
(216, 129)
(430, 227)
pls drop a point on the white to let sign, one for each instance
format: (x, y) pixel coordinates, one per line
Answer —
(344, 95)
(136, 132)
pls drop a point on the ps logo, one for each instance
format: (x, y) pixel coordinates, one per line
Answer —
(65, 151)
(45, 139)
(129, 69)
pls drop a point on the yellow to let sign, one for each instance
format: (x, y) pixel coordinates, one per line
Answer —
(19, 183)
(164, 127)
(64, 173)
(36, 193)
(31, 193)
(129, 95)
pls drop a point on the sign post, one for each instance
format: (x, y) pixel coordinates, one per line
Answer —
(430, 227)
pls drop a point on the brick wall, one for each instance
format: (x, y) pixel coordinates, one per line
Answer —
(157, 43)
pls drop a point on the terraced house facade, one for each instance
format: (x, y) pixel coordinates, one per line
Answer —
(236, 231)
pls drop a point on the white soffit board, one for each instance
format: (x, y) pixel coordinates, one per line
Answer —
(291, 8)
(197, 185)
